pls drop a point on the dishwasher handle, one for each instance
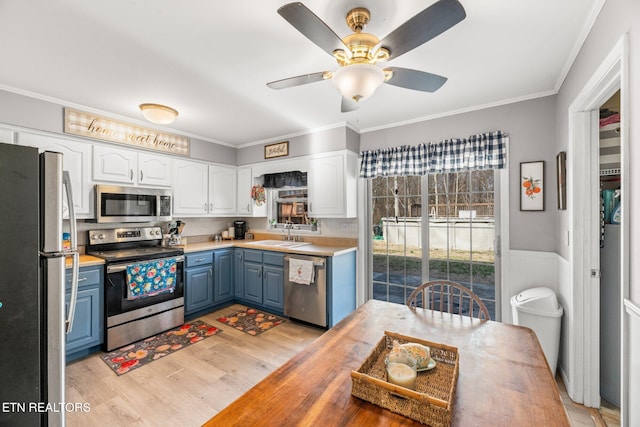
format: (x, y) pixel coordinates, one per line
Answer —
(316, 263)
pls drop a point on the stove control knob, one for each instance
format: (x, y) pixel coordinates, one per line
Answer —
(101, 236)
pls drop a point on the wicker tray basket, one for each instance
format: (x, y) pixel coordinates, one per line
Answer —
(432, 401)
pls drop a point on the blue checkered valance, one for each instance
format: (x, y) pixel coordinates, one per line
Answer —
(478, 152)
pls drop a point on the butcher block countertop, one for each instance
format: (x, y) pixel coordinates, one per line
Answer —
(86, 261)
(315, 246)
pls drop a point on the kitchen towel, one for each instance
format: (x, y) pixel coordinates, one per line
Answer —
(301, 271)
(151, 278)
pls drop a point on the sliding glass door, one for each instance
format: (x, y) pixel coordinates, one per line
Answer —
(440, 226)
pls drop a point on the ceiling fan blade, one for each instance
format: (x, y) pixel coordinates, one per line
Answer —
(416, 80)
(312, 27)
(348, 105)
(431, 22)
(297, 81)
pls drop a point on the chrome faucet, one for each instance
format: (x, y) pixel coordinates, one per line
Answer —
(287, 227)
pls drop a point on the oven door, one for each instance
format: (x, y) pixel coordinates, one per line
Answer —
(117, 299)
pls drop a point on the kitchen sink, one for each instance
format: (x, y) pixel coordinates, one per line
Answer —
(279, 243)
(293, 244)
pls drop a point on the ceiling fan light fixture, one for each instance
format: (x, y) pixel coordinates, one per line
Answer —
(159, 114)
(358, 81)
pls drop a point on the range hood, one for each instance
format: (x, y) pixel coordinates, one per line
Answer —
(285, 179)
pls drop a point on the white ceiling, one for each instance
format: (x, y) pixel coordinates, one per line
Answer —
(211, 60)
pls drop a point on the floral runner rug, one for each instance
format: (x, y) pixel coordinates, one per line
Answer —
(133, 356)
(251, 321)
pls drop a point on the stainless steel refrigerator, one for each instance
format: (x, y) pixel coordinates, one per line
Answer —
(33, 315)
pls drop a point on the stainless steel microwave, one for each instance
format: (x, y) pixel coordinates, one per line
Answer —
(132, 204)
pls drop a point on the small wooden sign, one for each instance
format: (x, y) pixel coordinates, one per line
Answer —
(276, 150)
(102, 128)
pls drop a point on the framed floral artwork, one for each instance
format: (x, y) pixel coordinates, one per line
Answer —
(532, 187)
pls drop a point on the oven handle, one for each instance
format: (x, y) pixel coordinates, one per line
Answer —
(115, 268)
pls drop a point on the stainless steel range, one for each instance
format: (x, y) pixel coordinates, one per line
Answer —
(144, 283)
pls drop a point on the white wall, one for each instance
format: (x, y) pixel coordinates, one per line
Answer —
(531, 128)
(320, 141)
(616, 19)
(31, 113)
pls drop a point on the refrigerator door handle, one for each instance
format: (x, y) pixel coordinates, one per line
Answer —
(74, 291)
(66, 181)
(75, 257)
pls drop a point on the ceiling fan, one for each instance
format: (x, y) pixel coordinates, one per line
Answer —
(357, 54)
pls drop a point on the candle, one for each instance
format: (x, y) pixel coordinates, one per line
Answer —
(402, 375)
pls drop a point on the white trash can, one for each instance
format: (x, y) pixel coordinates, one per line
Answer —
(538, 309)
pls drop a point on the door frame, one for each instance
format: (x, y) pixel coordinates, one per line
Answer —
(582, 182)
(501, 243)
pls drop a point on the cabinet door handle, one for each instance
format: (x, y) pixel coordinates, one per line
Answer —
(81, 279)
(131, 175)
(200, 259)
(260, 272)
(248, 207)
(210, 207)
(210, 272)
(205, 208)
(141, 176)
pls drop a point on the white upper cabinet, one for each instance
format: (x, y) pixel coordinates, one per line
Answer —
(203, 190)
(154, 170)
(222, 190)
(113, 164)
(246, 206)
(76, 160)
(190, 188)
(245, 183)
(332, 186)
(7, 136)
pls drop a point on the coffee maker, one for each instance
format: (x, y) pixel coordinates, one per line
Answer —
(240, 228)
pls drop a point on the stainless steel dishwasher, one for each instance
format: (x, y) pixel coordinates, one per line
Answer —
(307, 302)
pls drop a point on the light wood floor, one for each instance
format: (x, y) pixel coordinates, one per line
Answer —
(581, 416)
(190, 386)
(185, 388)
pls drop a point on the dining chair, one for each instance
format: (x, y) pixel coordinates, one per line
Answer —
(448, 297)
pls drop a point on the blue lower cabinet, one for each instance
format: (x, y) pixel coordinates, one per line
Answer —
(273, 287)
(198, 289)
(238, 273)
(341, 286)
(256, 278)
(263, 279)
(209, 280)
(223, 283)
(87, 329)
(252, 282)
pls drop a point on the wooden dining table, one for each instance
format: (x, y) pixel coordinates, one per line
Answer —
(503, 380)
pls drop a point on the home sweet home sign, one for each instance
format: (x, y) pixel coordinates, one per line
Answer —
(93, 126)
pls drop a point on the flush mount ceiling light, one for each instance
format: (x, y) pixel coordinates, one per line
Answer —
(159, 114)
